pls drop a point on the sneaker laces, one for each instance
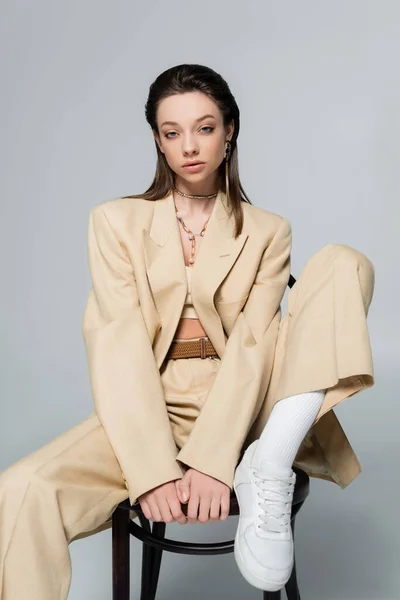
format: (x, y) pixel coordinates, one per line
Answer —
(277, 506)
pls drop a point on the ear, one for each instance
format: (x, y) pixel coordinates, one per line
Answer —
(229, 129)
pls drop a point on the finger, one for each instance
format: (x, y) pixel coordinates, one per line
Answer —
(204, 511)
(186, 480)
(178, 491)
(193, 507)
(154, 510)
(145, 509)
(215, 508)
(176, 511)
(186, 475)
(225, 506)
(165, 510)
(184, 491)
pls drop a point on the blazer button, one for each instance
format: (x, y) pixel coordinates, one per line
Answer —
(126, 484)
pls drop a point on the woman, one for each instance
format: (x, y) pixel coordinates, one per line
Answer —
(199, 385)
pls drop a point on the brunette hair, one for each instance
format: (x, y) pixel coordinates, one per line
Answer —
(188, 78)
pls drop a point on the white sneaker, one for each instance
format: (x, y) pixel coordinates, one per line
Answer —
(263, 549)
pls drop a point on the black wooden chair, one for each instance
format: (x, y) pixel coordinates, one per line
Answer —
(155, 542)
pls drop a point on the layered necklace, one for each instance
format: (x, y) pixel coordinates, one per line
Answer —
(192, 236)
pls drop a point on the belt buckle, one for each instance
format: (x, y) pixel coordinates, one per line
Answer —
(203, 348)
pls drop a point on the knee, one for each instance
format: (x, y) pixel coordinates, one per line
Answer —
(345, 254)
(345, 257)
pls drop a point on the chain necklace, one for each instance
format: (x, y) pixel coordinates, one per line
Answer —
(196, 195)
(192, 236)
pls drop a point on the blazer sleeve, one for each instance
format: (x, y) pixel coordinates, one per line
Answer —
(239, 388)
(124, 378)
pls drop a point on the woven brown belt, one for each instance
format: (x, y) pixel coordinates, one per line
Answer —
(201, 348)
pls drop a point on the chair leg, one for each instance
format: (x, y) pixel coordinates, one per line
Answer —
(146, 561)
(151, 562)
(272, 595)
(291, 588)
(159, 531)
(146, 573)
(121, 554)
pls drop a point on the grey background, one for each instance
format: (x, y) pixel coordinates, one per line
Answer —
(318, 87)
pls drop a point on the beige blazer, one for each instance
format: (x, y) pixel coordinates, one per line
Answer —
(138, 292)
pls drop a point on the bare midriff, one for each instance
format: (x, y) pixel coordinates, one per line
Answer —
(189, 328)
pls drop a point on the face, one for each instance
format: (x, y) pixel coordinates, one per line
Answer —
(191, 129)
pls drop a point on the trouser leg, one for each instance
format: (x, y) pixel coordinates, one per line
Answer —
(186, 382)
(323, 340)
(323, 343)
(66, 490)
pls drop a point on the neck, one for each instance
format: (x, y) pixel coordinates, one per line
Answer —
(193, 207)
(208, 185)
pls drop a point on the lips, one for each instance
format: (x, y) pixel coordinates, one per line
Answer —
(192, 164)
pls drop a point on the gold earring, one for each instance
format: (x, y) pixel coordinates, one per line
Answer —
(228, 147)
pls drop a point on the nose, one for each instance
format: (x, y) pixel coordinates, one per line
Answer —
(189, 146)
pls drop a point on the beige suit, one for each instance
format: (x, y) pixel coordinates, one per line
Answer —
(237, 288)
(70, 487)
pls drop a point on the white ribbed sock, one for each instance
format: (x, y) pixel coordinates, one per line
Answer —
(287, 425)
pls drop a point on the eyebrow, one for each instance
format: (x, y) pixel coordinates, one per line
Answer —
(197, 120)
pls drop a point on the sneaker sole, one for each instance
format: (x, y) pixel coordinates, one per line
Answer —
(254, 580)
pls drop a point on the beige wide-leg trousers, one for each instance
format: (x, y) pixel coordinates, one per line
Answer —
(69, 488)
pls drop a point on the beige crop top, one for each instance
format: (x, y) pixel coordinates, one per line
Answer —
(188, 311)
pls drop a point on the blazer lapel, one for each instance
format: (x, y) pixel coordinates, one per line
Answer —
(215, 258)
(165, 271)
(167, 275)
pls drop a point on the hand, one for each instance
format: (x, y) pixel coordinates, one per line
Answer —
(162, 504)
(206, 492)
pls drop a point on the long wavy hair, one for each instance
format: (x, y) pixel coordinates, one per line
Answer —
(188, 78)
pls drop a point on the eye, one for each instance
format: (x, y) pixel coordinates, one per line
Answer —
(168, 135)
